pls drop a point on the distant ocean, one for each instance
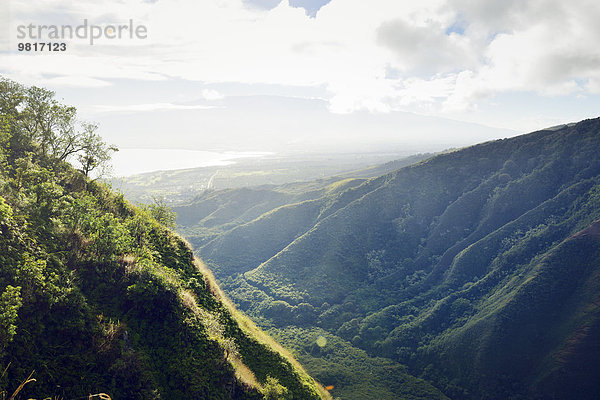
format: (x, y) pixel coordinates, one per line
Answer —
(136, 161)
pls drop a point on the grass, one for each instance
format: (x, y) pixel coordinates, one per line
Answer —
(250, 328)
(19, 388)
(4, 393)
(336, 186)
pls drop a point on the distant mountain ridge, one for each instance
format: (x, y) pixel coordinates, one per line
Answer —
(476, 268)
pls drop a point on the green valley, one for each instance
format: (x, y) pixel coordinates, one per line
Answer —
(474, 271)
(299, 200)
(469, 274)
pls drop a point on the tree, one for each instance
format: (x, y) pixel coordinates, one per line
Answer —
(10, 302)
(273, 390)
(95, 153)
(12, 95)
(51, 128)
(4, 137)
(64, 141)
(160, 211)
(37, 115)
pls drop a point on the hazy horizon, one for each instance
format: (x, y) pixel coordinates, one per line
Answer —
(310, 75)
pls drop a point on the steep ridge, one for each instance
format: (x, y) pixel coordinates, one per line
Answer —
(428, 189)
(547, 319)
(437, 265)
(98, 297)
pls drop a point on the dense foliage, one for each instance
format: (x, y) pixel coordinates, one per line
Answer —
(476, 269)
(97, 296)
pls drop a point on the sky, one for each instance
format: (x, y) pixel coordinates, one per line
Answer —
(291, 75)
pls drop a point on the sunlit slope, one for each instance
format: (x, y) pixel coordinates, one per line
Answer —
(452, 252)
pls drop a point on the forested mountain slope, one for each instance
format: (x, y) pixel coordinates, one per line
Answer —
(477, 269)
(96, 296)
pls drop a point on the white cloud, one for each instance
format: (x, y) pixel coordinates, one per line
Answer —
(554, 57)
(71, 81)
(151, 107)
(426, 50)
(211, 95)
(446, 55)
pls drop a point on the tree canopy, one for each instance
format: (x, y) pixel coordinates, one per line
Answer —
(51, 128)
